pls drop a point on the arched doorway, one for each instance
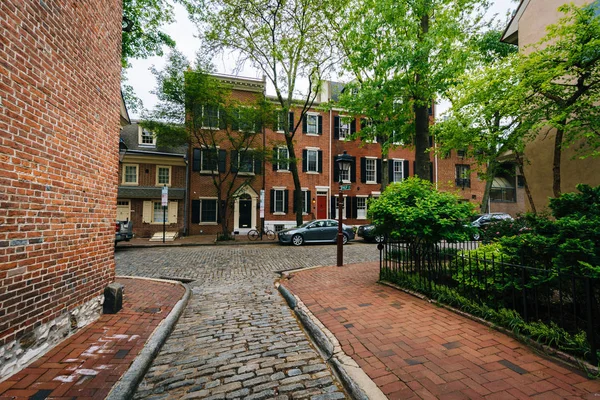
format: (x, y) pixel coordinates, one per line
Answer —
(245, 212)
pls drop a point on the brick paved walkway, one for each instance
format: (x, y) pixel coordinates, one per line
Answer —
(87, 365)
(413, 349)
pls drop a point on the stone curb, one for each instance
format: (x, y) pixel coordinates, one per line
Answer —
(126, 386)
(355, 380)
(154, 245)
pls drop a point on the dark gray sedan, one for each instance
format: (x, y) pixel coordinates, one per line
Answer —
(317, 231)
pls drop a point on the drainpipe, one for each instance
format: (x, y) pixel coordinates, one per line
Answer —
(330, 193)
(186, 196)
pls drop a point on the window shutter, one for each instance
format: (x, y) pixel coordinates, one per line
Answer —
(332, 206)
(431, 172)
(294, 202)
(222, 160)
(275, 158)
(363, 170)
(378, 172)
(320, 127)
(172, 212)
(405, 170)
(195, 211)
(354, 207)
(304, 123)
(235, 161)
(272, 208)
(196, 160)
(336, 127)
(147, 212)
(353, 126)
(308, 201)
(286, 200)
(353, 170)
(320, 161)
(257, 165)
(304, 160)
(222, 119)
(348, 207)
(336, 172)
(390, 171)
(235, 121)
(291, 117)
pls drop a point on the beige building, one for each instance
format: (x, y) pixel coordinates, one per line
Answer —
(528, 26)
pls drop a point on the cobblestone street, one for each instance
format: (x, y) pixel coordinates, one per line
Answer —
(237, 337)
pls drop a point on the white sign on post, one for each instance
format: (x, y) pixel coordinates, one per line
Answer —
(165, 196)
(262, 203)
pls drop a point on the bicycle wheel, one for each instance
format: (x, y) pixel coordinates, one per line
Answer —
(270, 234)
(253, 234)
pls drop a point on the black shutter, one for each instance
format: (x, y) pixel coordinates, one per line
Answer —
(431, 172)
(390, 171)
(291, 118)
(286, 200)
(405, 170)
(308, 201)
(196, 160)
(320, 161)
(235, 121)
(353, 126)
(222, 160)
(320, 127)
(353, 170)
(257, 165)
(304, 123)
(234, 161)
(354, 207)
(275, 158)
(336, 172)
(363, 169)
(378, 170)
(336, 127)
(195, 211)
(348, 207)
(304, 160)
(222, 119)
(333, 200)
(272, 208)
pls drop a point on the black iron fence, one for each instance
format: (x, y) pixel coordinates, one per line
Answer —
(568, 299)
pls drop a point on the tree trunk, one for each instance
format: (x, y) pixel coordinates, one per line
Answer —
(297, 201)
(422, 161)
(525, 184)
(556, 162)
(385, 170)
(491, 172)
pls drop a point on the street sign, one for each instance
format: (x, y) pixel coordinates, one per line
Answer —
(165, 196)
(345, 187)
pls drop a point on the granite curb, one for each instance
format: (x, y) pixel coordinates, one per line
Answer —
(127, 385)
(357, 383)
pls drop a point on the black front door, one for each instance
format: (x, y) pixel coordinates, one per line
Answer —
(245, 213)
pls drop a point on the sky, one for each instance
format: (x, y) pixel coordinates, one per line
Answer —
(184, 33)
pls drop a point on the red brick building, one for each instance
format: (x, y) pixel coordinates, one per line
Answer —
(59, 124)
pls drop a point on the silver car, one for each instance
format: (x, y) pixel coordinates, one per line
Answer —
(317, 231)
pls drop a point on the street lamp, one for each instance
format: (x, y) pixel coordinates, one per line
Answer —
(344, 162)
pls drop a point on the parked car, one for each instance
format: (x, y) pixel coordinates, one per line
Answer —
(316, 231)
(123, 231)
(480, 221)
(369, 234)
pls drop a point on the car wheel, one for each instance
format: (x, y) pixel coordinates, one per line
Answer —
(297, 240)
(379, 239)
(345, 239)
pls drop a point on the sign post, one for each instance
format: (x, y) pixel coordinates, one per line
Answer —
(165, 204)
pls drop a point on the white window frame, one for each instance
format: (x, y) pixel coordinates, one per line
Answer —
(345, 197)
(346, 178)
(281, 164)
(310, 116)
(358, 209)
(239, 120)
(216, 200)
(344, 127)
(158, 204)
(158, 168)
(280, 117)
(204, 107)
(280, 191)
(305, 201)
(369, 160)
(316, 155)
(239, 162)
(204, 151)
(401, 172)
(143, 135)
(137, 175)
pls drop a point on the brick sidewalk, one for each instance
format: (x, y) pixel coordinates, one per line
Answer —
(412, 349)
(89, 363)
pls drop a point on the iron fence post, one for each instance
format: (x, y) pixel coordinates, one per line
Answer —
(590, 319)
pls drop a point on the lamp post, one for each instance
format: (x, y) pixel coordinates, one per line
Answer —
(344, 162)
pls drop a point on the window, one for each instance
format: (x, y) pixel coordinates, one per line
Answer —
(281, 121)
(503, 189)
(398, 171)
(305, 201)
(158, 213)
(283, 159)
(209, 159)
(371, 170)
(312, 160)
(146, 138)
(463, 176)
(344, 127)
(336, 207)
(312, 124)
(130, 174)
(246, 162)
(210, 117)
(344, 175)
(208, 210)
(361, 207)
(245, 120)
(279, 201)
(163, 175)
(153, 212)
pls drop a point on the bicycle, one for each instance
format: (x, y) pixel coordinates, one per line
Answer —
(254, 234)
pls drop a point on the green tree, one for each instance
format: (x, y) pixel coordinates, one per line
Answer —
(196, 108)
(561, 79)
(286, 40)
(402, 54)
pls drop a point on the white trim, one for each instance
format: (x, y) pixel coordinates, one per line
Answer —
(170, 176)
(124, 174)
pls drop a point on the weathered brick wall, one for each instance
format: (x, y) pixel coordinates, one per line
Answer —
(59, 134)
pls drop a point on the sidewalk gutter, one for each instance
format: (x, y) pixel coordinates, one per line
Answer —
(126, 386)
(355, 380)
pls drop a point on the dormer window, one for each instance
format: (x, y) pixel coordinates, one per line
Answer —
(146, 138)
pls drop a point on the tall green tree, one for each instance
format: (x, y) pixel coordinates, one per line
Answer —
(286, 40)
(402, 54)
(561, 77)
(196, 108)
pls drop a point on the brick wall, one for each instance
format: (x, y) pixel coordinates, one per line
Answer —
(59, 134)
